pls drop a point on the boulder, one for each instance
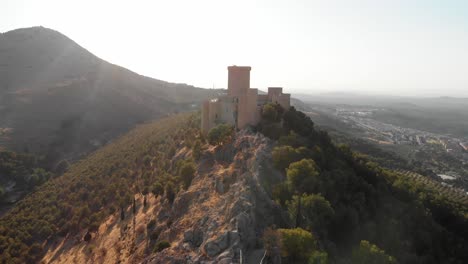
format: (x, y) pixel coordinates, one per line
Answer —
(194, 237)
(216, 246)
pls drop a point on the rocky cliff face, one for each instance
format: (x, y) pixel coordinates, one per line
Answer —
(221, 216)
(218, 219)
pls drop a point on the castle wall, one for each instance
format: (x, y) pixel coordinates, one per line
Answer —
(243, 105)
(214, 115)
(285, 101)
(243, 119)
(205, 120)
(262, 99)
(252, 98)
(227, 109)
(274, 94)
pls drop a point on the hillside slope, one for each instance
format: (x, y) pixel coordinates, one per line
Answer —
(93, 188)
(59, 100)
(162, 194)
(217, 218)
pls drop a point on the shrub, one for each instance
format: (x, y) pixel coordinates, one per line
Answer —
(157, 189)
(151, 224)
(186, 173)
(316, 212)
(161, 245)
(281, 193)
(368, 253)
(145, 191)
(271, 130)
(170, 191)
(272, 242)
(35, 249)
(297, 244)
(155, 234)
(196, 150)
(293, 140)
(272, 112)
(94, 226)
(318, 257)
(147, 160)
(303, 176)
(298, 122)
(62, 167)
(87, 237)
(221, 134)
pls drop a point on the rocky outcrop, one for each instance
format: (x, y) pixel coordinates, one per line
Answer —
(221, 217)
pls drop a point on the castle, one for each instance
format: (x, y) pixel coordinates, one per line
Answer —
(242, 105)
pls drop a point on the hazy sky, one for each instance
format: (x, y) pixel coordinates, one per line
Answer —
(408, 47)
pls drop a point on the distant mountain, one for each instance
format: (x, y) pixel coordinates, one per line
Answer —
(349, 98)
(58, 99)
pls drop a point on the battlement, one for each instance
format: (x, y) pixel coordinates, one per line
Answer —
(239, 68)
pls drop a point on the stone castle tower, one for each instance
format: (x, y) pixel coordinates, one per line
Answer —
(242, 105)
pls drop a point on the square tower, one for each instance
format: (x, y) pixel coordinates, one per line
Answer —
(238, 80)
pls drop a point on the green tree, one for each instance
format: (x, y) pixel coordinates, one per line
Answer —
(196, 150)
(281, 193)
(221, 134)
(271, 113)
(297, 245)
(303, 176)
(170, 191)
(272, 242)
(161, 245)
(316, 212)
(283, 156)
(186, 173)
(318, 257)
(157, 189)
(292, 139)
(62, 167)
(368, 253)
(298, 122)
(38, 176)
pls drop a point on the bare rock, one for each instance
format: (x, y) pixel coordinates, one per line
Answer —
(219, 186)
(194, 237)
(216, 246)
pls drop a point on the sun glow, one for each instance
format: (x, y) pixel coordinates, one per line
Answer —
(416, 48)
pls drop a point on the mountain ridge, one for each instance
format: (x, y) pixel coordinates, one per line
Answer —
(59, 100)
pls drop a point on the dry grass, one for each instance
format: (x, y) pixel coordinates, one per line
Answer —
(109, 246)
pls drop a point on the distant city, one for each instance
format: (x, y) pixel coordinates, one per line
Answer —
(361, 118)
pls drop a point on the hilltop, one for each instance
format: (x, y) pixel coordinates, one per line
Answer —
(164, 193)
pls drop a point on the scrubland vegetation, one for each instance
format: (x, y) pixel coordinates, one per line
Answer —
(342, 207)
(102, 184)
(355, 210)
(24, 171)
